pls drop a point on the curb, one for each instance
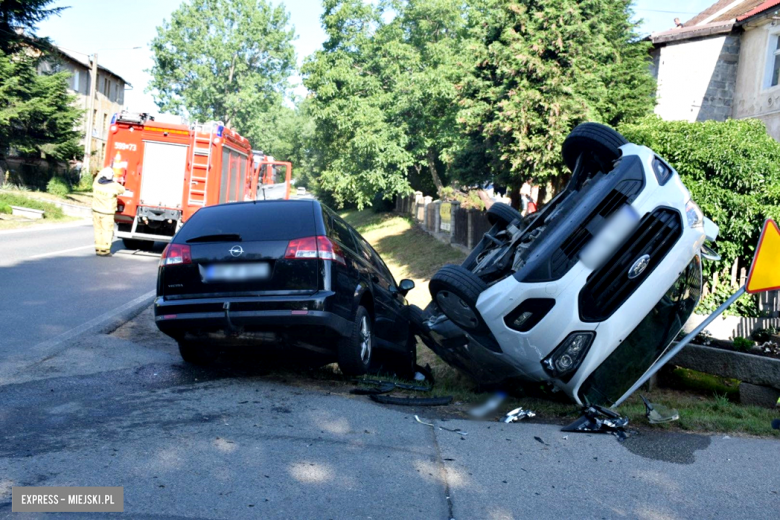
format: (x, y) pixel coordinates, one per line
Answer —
(103, 324)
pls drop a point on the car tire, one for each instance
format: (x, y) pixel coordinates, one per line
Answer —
(355, 352)
(502, 214)
(196, 354)
(602, 141)
(456, 290)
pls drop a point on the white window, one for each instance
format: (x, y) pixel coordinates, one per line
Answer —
(772, 76)
(76, 80)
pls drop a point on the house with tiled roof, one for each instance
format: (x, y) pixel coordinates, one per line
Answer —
(722, 63)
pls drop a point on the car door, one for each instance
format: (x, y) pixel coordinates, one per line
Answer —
(345, 278)
(392, 322)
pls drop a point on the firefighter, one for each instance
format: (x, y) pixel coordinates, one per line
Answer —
(105, 191)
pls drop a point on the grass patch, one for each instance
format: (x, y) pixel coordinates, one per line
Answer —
(51, 212)
(79, 199)
(706, 405)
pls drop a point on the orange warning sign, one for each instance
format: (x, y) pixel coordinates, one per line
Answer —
(765, 269)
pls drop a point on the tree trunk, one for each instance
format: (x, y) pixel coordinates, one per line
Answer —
(514, 197)
(434, 174)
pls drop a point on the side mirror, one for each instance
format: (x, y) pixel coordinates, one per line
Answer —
(405, 286)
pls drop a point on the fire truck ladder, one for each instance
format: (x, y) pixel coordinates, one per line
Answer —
(200, 164)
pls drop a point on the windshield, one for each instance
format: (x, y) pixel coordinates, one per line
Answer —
(648, 341)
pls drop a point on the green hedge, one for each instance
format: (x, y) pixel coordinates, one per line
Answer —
(50, 210)
(732, 169)
(58, 186)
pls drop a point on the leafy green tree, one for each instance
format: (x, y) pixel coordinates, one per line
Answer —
(541, 68)
(384, 93)
(227, 60)
(38, 115)
(18, 20)
(351, 80)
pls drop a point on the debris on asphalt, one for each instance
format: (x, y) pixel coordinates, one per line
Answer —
(489, 406)
(658, 414)
(411, 401)
(518, 414)
(453, 430)
(384, 387)
(539, 439)
(597, 419)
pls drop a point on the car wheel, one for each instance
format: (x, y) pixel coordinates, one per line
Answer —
(456, 291)
(502, 214)
(355, 351)
(196, 354)
(600, 140)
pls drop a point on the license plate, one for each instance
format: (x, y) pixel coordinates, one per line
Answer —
(615, 231)
(236, 272)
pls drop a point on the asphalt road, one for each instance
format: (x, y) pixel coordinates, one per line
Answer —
(52, 283)
(105, 407)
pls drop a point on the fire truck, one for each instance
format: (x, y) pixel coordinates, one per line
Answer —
(170, 171)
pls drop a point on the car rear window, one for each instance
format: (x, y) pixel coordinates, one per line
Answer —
(282, 220)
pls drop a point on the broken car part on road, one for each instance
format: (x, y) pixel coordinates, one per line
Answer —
(453, 430)
(657, 413)
(588, 293)
(518, 414)
(597, 419)
(411, 401)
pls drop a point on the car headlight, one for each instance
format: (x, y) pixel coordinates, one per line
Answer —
(568, 356)
(694, 214)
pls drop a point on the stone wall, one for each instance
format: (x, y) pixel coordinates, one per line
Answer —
(697, 78)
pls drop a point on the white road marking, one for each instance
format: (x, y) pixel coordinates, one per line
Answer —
(55, 253)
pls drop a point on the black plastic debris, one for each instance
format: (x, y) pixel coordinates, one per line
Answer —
(412, 401)
(776, 424)
(597, 419)
(379, 389)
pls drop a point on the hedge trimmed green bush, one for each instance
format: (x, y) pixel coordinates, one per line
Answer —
(50, 210)
(58, 186)
(732, 169)
(5, 208)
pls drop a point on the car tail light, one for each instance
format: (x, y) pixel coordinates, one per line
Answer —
(314, 247)
(175, 254)
(567, 357)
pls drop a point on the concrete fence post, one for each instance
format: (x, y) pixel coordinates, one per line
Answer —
(470, 235)
(426, 201)
(453, 211)
(437, 216)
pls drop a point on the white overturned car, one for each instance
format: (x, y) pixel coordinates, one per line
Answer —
(588, 293)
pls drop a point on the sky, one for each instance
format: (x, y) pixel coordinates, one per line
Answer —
(114, 28)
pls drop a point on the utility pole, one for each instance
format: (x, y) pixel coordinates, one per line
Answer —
(90, 118)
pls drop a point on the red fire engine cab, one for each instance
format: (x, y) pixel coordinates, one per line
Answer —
(170, 171)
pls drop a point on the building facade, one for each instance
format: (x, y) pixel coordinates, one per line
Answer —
(723, 63)
(109, 98)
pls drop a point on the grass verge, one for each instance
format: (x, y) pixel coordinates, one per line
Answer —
(704, 401)
(51, 212)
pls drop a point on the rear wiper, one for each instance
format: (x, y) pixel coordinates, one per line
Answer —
(225, 237)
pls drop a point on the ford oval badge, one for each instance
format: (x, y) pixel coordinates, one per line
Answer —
(639, 266)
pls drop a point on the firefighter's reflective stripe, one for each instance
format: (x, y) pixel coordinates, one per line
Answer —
(104, 196)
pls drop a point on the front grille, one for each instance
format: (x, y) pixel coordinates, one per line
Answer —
(609, 286)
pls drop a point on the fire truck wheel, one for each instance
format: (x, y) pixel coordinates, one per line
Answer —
(195, 353)
(600, 140)
(138, 245)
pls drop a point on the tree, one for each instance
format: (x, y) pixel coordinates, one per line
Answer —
(351, 81)
(226, 60)
(540, 68)
(383, 94)
(38, 115)
(18, 19)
